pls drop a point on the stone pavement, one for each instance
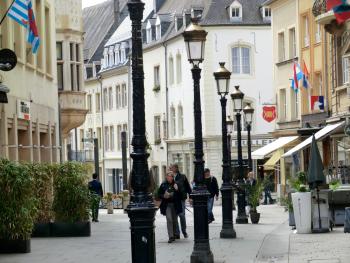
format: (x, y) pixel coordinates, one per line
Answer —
(269, 241)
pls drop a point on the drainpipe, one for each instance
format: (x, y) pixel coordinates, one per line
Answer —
(99, 79)
(166, 99)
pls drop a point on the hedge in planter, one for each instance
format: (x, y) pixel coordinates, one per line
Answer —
(18, 207)
(43, 181)
(71, 203)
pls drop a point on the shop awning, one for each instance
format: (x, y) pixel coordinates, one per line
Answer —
(328, 130)
(273, 146)
(270, 164)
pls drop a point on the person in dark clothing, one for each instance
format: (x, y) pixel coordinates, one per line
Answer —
(95, 188)
(185, 190)
(268, 187)
(171, 205)
(213, 189)
(251, 181)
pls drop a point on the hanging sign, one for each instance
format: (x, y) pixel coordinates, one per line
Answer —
(23, 110)
(269, 113)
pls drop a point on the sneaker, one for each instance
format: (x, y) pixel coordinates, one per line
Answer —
(171, 240)
(177, 237)
(185, 235)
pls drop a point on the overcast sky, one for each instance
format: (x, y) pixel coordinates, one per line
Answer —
(87, 3)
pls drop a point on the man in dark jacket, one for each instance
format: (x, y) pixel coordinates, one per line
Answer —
(185, 190)
(213, 189)
(95, 188)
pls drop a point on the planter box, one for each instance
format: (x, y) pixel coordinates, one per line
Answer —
(14, 246)
(41, 230)
(80, 229)
(302, 211)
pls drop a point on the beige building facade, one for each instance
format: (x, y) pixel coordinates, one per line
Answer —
(29, 123)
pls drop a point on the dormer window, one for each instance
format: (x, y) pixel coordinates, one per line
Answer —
(266, 13)
(235, 11)
(105, 58)
(196, 12)
(187, 19)
(178, 23)
(149, 32)
(116, 54)
(110, 56)
(124, 46)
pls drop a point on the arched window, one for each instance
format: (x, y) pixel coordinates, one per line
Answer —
(172, 121)
(241, 60)
(180, 120)
(171, 70)
(178, 69)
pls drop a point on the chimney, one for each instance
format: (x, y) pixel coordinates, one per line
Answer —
(116, 10)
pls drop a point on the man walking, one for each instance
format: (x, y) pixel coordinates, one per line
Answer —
(95, 188)
(184, 189)
(213, 189)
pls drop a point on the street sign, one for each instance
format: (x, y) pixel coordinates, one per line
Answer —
(8, 59)
(347, 130)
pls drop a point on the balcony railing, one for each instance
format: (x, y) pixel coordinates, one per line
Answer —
(319, 8)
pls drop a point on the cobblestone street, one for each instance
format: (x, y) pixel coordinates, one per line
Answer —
(269, 241)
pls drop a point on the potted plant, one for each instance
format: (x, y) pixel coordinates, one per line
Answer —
(334, 184)
(288, 205)
(43, 180)
(109, 199)
(301, 200)
(72, 199)
(18, 207)
(254, 195)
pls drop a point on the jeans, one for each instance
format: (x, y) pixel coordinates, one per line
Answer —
(182, 217)
(210, 208)
(171, 220)
(268, 195)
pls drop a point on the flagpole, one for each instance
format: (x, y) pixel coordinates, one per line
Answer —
(2, 19)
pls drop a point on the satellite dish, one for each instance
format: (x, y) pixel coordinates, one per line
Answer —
(8, 59)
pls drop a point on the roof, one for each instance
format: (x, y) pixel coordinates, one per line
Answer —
(98, 21)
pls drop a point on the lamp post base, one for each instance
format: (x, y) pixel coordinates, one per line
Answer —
(201, 249)
(242, 220)
(142, 232)
(227, 230)
(242, 217)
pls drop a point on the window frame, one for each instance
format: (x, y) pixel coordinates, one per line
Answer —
(241, 60)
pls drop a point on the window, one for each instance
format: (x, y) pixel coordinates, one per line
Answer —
(118, 97)
(59, 51)
(178, 69)
(89, 103)
(156, 79)
(165, 127)
(119, 136)
(116, 54)
(60, 76)
(72, 77)
(241, 60)
(99, 137)
(98, 102)
(305, 31)
(124, 96)
(173, 121)
(281, 47)
(292, 43)
(267, 12)
(149, 32)
(158, 32)
(111, 135)
(110, 57)
(106, 138)
(171, 70)
(157, 138)
(180, 121)
(105, 99)
(48, 40)
(71, 51)
(283, 105)
(318, 33)
(110, 97)
(235, 12)
(294, 102)
(346, 70)
(318, 83)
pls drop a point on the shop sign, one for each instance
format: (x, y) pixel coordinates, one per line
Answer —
(23, 110)
(269, 113)
(255, 142)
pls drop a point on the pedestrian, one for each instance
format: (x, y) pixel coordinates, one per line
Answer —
(170, 206)
(250, 182)
(213, 189)
(268, 185)
(96, 190)
(185, 190)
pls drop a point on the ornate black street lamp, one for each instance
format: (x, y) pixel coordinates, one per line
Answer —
(222, 77)
(141, 209)
(248, 116)
(229, 125)
(195, 37)
(237, 98)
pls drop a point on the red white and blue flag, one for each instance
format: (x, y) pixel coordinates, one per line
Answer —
(317, 103)
(22, 12)
(341, 9)
(306, 75)
(297, 76)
